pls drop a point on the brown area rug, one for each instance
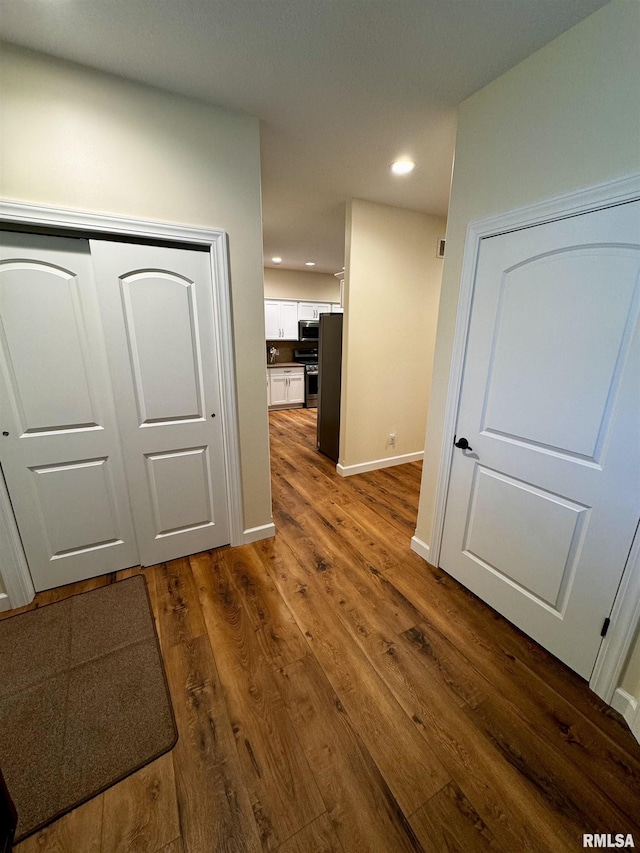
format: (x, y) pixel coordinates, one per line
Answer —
(83, 699)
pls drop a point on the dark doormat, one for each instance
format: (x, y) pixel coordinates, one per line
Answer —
(83, 699)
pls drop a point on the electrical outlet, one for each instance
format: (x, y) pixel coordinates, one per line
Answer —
(392, 439)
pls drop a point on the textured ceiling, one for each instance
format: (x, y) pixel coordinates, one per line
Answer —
(342, 87)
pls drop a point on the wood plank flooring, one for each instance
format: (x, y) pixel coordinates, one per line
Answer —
(336, 694)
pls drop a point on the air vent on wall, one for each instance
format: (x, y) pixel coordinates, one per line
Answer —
(440, 252)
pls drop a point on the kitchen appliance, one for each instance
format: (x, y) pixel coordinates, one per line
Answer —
(329, 384)
(309, 357)
(308, 330)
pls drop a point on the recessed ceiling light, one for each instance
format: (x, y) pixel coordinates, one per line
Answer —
(277, 260)
(402, 167)
(309, 263)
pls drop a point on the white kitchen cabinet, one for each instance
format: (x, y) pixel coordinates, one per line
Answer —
(295, 394)
(336, 308)
(286, 386)
(278, 384)
(272, 320)
(312, 310)
(280, 320)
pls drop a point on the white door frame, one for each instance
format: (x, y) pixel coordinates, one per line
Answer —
(626, 610)
(15, 571)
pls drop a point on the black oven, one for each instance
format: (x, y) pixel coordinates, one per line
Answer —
(311, 386)
(309, 357)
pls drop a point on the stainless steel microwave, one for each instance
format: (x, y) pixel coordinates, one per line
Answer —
(308, 330)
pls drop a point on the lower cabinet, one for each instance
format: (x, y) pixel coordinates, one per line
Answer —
(286, 387)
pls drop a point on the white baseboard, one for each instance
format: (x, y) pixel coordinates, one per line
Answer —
(421, 548)
(623, 702)
(629, 707)
(376, 464)
(254, 534)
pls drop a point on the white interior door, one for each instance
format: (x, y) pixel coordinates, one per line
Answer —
(158, 317)
(59, 446)
(543, 507)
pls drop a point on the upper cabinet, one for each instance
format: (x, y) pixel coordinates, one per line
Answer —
(281, 320)
(281, 316)
(312, 310)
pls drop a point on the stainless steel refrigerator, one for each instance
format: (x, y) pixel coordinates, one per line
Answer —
(329, 383)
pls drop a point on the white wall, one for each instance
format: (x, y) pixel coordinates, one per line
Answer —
(300, 284)
(75, 138)
(391, 307)
(564, 119)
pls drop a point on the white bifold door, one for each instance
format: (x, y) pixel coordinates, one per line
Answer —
(59, 448)
(544, 503)
(157, 311)
(111, 442)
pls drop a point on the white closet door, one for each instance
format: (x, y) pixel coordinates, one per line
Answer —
(544, 504)
(59, 446)
(158, 317)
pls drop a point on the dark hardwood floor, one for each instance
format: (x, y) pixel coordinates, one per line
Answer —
(333, 692)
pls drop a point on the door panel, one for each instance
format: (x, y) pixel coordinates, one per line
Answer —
(49, 393)
(524, 511)
(161, 307)
(157, 310)
(87, 519)
(61, 457)
(181, 491)
(542, 511)
(543, 305)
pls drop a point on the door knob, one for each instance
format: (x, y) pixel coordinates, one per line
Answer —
(463, 444)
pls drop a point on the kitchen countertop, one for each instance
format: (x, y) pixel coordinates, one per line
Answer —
(285, 364)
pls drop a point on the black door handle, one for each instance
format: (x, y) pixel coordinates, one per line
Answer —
(463, 444)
